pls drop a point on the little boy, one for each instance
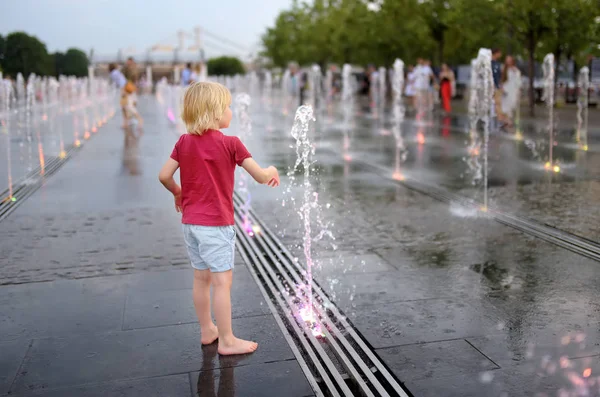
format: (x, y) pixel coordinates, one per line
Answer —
(206, 160)
(129, 104)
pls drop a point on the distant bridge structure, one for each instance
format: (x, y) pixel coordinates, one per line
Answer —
(168, 56)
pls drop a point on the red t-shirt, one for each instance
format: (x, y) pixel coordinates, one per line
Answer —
(206, 168)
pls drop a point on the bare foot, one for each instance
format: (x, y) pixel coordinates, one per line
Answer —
(237, 346)
(209, 335)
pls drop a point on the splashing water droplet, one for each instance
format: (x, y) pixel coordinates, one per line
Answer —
(486, 377)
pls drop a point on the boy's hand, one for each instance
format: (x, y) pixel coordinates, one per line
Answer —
(273, 176)
(178, 202)
(177, 197)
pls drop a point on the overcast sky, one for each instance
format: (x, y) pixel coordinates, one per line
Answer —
(107, 25)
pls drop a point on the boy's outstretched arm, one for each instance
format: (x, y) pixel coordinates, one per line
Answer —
(263, 176)
(165, 177)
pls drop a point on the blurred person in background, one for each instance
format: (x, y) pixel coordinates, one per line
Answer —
(186, 75)
(511, 89)
(196, 74)
(409, 89)
(447, 87)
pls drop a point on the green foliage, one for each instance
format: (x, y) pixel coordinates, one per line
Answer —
(2, 50)
(225, 66)
(339, 31)
(451, 31)
(74, 63)
(26, 54)
(58, 62)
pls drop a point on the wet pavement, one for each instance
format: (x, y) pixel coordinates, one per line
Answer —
(453, 302)
(101, 302)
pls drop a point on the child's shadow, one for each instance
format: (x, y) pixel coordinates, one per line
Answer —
(208, 373)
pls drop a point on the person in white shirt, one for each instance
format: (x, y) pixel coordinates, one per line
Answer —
(410, 85)
(119, 80)
(373, 84)
(116, 76)
(429, 82)
(423, 75)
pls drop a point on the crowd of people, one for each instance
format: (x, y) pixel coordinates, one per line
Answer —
(422, 84)
(425, 88)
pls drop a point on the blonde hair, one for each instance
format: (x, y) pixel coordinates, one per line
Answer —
(204, 103)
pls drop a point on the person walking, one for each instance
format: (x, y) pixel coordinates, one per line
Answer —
(511, 87)
(196, 75)
(447, 84)
(410, 90)
(130, 71)
(186, 75)
(497, 76)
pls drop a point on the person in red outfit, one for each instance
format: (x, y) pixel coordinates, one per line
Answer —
(447, 84)
(206, 159)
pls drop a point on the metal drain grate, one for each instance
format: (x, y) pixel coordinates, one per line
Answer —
(338, 364)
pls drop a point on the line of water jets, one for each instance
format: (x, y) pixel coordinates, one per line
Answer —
(36, 115)
(480, 110)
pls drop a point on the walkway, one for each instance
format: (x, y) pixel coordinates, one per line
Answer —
(96, 298)
(96, 295)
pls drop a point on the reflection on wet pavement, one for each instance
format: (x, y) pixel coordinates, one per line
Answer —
(447, 282)
(453, 302)
(225, 376)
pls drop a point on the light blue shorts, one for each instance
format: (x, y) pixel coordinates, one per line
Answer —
(210, 247)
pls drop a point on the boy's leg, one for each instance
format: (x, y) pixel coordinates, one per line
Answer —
(201, 294)
(228, 344)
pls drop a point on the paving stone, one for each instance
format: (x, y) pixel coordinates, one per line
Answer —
(343, 263)
(427, 320)
(61, 308)
(435, 360)
(161, 386)
(155, 308)
(75, 361)
(11, 356)
(251, 380)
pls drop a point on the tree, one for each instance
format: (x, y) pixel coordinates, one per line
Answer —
(452, 31)
(436, 14)
(2, 51)
(473, 24)
(58, 62)
(26, 54)
(532, 20)
(573, 30)
(225, 66)
(74, 63)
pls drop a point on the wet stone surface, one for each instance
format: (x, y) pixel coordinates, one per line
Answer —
(83, 245)
(249, 380)
(95, 290)
(454, 303)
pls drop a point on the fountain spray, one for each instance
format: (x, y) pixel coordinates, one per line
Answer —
(480, 107)
(398, 109)
(347, 105)
(310, 211)
(549, 70)
(7, 92)
(242, 105)
(382, 83)
(582, 107)
(315, 86)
